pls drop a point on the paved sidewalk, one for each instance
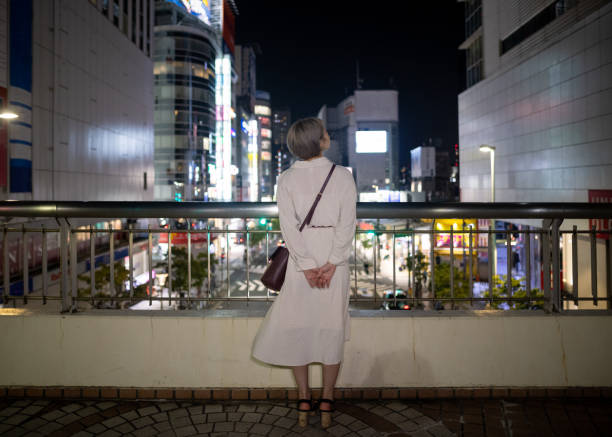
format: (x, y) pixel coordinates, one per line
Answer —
(31, 417)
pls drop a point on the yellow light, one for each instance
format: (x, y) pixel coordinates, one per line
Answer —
(8, 115)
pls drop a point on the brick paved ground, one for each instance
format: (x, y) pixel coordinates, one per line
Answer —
(33, 417)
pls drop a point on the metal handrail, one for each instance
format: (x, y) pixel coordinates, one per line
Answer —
(389, 210)
(551, 214)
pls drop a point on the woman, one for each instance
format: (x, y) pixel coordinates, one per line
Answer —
(309, 321)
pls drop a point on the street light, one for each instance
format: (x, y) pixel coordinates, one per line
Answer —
(8, 115)
(491, 150)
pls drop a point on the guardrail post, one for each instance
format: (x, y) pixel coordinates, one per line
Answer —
(548, 304)
(64, 232)
(609, 271)
(556, 265)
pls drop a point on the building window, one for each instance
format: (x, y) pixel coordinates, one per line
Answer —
(473, 62)
(473, 16)
(141, 26)
(116, 12)
(149, 25)
(134, 21)
(125, 17)
(540, 20)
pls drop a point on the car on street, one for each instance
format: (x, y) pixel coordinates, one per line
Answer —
(400, 302)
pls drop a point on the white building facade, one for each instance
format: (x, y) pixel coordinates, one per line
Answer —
(364, 133)
(539, 77)
(78, 75)
(545, 105)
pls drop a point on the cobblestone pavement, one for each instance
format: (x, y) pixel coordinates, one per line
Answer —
(31, 417)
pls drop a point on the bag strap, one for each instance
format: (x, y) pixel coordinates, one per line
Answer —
(314, 205)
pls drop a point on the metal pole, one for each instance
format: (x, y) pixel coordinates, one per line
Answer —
(45, 279)
(131, 261)
(25, 264)
(492, 175)
(556, 263)
(546, 264)
(471, 271)
(509, 263)
(64, 231)
(150, 262)
(111, 251)
(73, 269)
(92, 265)
(432, 260)
(6, 274)
(594, 265)
(528, 264)
(169, 280)
(575, 264)
(452, 267)
(208, 243)
(188, 264)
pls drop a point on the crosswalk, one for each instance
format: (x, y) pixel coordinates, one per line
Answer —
(253, 285)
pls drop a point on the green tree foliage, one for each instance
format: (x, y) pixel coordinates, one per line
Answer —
(500, 290)
(103, 286)
(199, 269)
(420, 271)
(461, 285)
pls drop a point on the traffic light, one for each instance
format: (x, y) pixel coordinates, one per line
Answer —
(262, 221)
(178, 197)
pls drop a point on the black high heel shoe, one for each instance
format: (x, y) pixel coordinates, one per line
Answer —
(302, 413)
(326, 415)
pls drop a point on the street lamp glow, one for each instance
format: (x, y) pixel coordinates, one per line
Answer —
(491, 151)
(8, 115)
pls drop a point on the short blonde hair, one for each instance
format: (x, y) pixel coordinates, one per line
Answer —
(304, 138)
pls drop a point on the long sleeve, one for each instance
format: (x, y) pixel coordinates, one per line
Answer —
(345, 227)
(289, 225)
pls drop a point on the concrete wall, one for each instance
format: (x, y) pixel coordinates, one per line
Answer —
(153, 350)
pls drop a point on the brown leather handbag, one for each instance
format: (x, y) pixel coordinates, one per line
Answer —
(274, 275)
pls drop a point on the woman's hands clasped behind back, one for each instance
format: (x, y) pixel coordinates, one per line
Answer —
(320, 277)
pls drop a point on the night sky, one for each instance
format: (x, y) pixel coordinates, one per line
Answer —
(309, 52)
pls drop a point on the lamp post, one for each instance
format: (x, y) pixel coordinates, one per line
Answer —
(491, 150)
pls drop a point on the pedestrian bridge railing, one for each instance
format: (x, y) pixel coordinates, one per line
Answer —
(429, 256)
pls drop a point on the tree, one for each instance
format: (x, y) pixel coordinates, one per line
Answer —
(199, 269)
(103, 286)
(461, 286)
(420, 272)
(500, 290)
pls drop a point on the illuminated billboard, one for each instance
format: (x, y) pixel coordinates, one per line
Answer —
(262, 110)
(198, 8)
(371, 141)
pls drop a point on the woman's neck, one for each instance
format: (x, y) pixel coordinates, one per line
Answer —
(315, 157)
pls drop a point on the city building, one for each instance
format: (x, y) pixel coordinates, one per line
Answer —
(535, 122)
(193, 100)
(364, 136)
(78, 79)
(281, 121)
(431, 175)
(245, 158)
(263, 114)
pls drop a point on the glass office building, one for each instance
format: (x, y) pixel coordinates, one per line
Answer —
(185, 52)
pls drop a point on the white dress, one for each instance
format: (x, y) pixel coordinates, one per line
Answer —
(304, 324)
